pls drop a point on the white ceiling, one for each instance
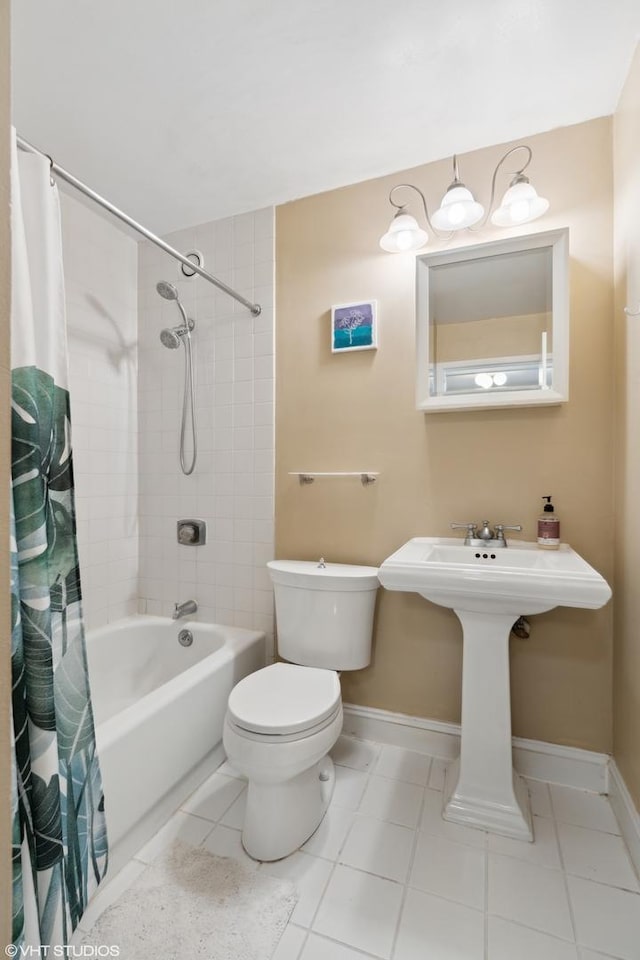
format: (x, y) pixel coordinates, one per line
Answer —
(182, 111)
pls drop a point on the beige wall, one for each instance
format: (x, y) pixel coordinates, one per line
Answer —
(5, 684)
(356, 412)
(626, 687)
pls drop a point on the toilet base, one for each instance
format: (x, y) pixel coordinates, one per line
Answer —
(280, 817)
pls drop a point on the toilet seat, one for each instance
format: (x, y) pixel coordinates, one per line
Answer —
(281, 738)
(284, 701)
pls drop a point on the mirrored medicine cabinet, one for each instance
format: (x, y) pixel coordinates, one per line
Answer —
(493, 324)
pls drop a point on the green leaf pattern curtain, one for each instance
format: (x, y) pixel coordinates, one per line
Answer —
(59, 832)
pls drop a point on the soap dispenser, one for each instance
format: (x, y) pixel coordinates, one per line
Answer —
(548, 527)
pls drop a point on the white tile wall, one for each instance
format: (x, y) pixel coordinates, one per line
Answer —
(100, 265)
(232, 486)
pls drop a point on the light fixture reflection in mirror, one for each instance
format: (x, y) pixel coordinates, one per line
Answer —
(456, 379)
(488, 380)
(459, 210)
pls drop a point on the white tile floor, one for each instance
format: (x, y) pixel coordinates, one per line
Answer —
(385, 877)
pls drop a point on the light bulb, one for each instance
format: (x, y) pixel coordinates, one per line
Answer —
(403, 234)
(404, 239)
(484, 380)
(456, 214)
(520, 204)
(500, 379)
(520, 211)
(457, 210)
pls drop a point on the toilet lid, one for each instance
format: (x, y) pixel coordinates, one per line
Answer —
(284, 698)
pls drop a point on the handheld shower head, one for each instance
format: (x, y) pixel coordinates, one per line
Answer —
(167, 290)
(170, 338)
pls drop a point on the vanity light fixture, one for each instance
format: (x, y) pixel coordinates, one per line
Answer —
(459, 210)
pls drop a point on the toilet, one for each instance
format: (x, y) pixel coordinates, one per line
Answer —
(282, 721)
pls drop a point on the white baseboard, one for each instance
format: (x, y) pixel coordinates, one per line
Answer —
(414, 733)
(626, 813)
(568, 766)
(536, 759)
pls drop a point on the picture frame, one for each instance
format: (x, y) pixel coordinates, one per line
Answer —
(354, 326)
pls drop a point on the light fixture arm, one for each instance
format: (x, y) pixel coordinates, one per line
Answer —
(515, 175)
(401, 207)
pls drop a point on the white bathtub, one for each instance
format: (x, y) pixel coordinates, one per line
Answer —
(159, 709)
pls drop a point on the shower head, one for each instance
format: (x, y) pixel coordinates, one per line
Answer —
(171, 337)
(167, 290)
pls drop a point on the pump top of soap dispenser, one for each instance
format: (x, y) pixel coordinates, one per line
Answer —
(548, 507)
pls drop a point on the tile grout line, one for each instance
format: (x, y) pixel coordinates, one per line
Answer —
(567, 874)
(370, 773)
(565, 881)
(309, 929)
(350, 947)
(341, 943)
(213, 827)
(545, 933)
(226, 809)
(414, 847)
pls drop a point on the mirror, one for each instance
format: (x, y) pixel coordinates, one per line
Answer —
(493, 324)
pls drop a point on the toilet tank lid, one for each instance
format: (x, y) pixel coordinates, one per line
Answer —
(333, 576)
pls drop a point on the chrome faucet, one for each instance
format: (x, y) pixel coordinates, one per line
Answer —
(184, 609)
(486, 533)
(485, 537)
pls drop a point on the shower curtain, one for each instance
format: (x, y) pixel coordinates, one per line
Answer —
(59, 834)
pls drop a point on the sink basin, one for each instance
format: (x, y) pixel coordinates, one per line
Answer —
(489, 589)
(519, 579)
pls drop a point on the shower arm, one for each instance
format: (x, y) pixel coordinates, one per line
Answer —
(63, 174)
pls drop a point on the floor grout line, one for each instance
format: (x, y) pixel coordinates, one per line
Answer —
(333, 869)
(556, 833)
(341, 943)
(406, 887)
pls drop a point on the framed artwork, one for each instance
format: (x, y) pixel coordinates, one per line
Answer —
(354, 327)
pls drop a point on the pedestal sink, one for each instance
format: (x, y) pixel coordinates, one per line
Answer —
(488, 589)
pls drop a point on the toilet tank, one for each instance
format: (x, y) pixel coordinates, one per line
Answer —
(324, 614)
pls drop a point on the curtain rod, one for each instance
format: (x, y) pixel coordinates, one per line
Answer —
(88, 192)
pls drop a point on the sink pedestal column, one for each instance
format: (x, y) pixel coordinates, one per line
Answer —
(482, 789)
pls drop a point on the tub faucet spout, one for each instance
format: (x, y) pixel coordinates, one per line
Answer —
(184, 609)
